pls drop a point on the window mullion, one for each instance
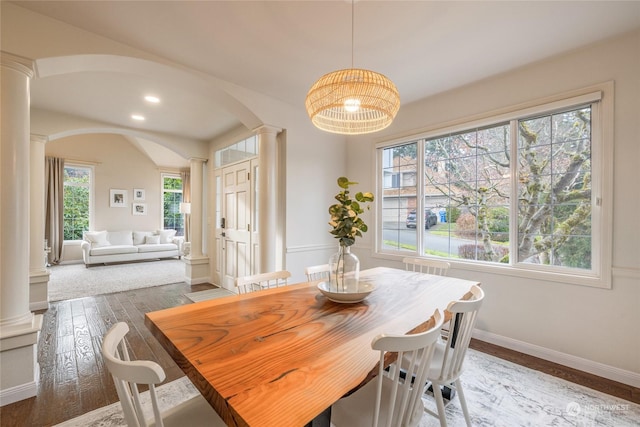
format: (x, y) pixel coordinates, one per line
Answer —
(420, 195)
(513, 194)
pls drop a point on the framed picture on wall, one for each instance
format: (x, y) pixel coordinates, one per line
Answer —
(139, 209)
(117, 198)
(138, 194)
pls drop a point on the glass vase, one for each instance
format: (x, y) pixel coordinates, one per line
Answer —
(344, 270)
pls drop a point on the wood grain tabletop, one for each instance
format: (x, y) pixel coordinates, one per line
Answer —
(280, 357)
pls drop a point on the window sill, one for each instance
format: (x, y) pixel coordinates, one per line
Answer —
(603, 282)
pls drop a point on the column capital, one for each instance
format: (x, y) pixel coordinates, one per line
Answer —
(267, 129)
(198, 159)
(18, 63)
(43, 139)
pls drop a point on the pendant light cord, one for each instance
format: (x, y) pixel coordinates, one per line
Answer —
(352, 19)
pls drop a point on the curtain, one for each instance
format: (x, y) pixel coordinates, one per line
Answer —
(54, 207)
(186, 197)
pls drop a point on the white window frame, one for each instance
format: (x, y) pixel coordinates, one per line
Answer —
(601, 99)
(164, 175)
(91, 167)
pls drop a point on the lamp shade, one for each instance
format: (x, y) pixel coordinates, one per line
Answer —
(185, 208)
(352, 101)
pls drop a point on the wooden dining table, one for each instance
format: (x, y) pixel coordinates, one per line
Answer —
(283, 356)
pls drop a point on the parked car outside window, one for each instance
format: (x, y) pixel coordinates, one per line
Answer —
(430, 219)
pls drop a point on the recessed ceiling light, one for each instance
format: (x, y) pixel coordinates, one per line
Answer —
(137, 117)
(152, 99)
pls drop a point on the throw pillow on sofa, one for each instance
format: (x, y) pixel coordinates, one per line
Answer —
(97, 238)
(122, 237)
(166, 236)
(152, 240)
(139, 237)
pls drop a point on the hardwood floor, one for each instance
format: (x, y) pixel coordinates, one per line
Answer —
(73, 377)
(74, 380)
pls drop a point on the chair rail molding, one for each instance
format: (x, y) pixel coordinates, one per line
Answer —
(310, 248)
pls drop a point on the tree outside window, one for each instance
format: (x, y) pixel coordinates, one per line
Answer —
(171, 199)
(469, 173)
(554, 189)
(543, 216)
(76, 201)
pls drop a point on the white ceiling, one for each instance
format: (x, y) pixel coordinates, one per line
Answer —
(279, 48)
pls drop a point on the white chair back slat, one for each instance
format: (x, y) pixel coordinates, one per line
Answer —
(258, 282)
(317, 272)
(464, 314)
(428, 266)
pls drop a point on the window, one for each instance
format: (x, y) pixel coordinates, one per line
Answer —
(554, 189)
(171, 199)
(467, 177)
(242, 150)
(76, 200)
(398, 201)
(522, 190)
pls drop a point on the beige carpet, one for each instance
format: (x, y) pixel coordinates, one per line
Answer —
(76, 281)
(499, 393)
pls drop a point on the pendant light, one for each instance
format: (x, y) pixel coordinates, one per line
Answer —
(352, 101)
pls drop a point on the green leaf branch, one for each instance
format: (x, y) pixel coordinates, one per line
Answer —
(345, 220)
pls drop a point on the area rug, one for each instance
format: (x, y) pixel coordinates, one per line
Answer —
(209, 294)
(499, 393)
(76, 281)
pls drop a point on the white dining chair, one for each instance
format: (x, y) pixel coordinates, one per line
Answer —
(429, 266)
(389, 400)
(127, 374)
(317, 272)
(447, 364)
(258, 282)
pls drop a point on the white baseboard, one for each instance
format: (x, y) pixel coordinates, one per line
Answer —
(197, 280)
(69, 262)
(585, 365)
(18, 393)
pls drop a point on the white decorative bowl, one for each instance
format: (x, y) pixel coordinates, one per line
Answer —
(363, 289)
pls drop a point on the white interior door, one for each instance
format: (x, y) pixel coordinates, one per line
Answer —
(235, 232)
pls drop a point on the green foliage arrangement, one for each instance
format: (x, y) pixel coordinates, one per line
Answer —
(346, 223)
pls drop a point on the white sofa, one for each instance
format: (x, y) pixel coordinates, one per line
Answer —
(100, 247)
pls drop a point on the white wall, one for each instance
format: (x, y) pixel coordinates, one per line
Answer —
(118, 165)
(592, 329)
(315, 160)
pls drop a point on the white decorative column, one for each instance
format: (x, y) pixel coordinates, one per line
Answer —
(38, 273)
(196, 263)
(19, 328)
(269, 171)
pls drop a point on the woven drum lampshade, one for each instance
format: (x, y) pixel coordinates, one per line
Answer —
(352, 102)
